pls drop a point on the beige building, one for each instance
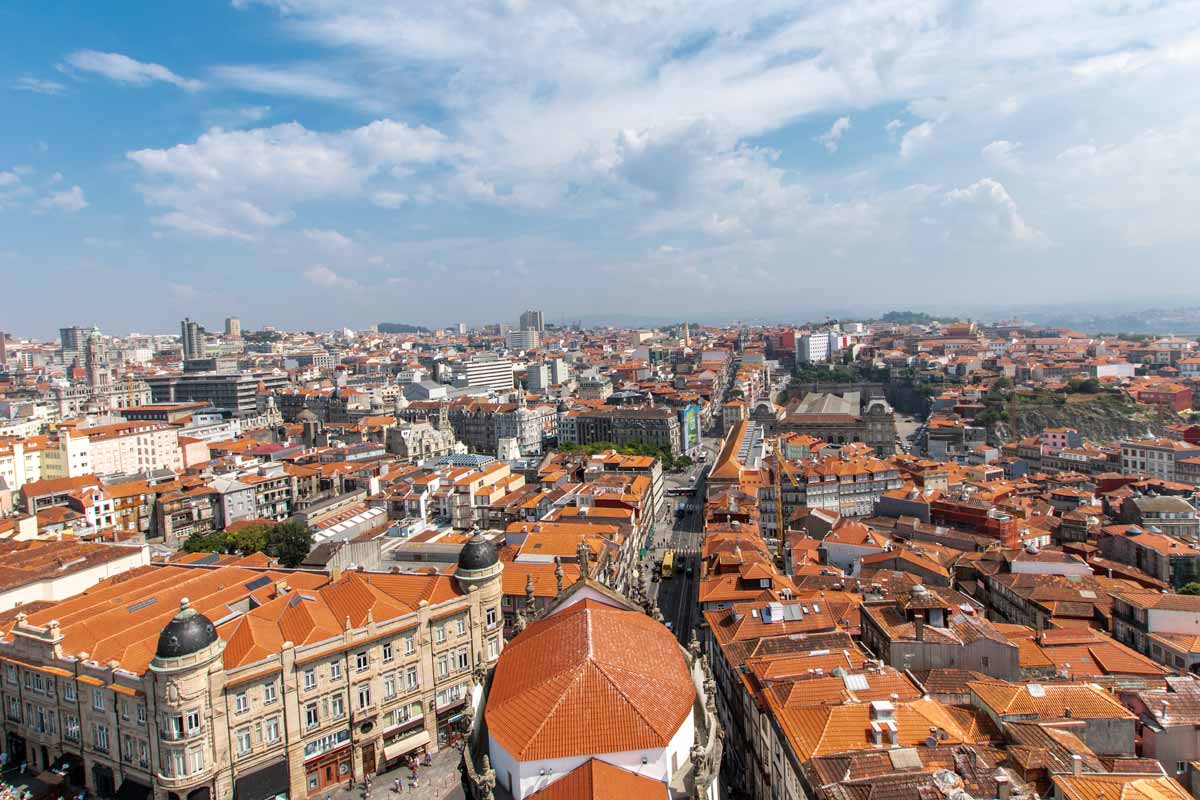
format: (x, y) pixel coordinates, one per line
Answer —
(191, 682)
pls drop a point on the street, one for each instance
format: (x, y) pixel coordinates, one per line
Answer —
(677, 595)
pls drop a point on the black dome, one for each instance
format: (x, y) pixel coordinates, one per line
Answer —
(477, 554)
(188, 632)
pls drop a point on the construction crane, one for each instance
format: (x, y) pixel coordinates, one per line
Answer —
(783, 468)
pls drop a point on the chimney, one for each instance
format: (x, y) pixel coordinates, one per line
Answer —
(335, 573)
(1076, 764)
(919, 626)
(282, 588)
(1003, 787)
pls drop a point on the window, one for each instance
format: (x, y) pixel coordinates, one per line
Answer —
(179, 763)
(338, 705)
(101, 738)
(439, 634)
(364, 695)
(69, 692)
(493, 648)
(197, 760)
(389, 685)
(1180, 767)
(71, 728)
(460, 625)
(124, 709)
(269, 695)
(310, 680)
(241, 703)
(243, 741)
(310, 715)
(412, 679)
(98, 700)
(175, 727)
(410, 644)
(127, 748)
(335, 670)
(361, 661)
(271, 729)
(443, 666)
(143, 755)
(490, 617)
(192, 721)
(11, 673)
(388, 655)
(141, 713)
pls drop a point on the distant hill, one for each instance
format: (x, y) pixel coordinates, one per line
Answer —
(401, 327)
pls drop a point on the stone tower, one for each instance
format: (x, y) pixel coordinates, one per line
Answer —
(479, 571)
(186, 682)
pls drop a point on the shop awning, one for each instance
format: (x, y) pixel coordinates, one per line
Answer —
(132, 790)
(263, 784)
(406, 745)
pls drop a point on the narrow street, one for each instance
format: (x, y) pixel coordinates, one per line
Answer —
(677, 595)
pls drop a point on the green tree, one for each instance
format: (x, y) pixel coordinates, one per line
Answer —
(290, 542)
(215, 542)
(250, 539)
(1191, 588)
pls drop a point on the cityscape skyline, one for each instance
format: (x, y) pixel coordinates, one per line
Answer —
(326, 162)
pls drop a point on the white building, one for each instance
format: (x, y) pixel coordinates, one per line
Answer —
(494, 374)
(528, 339)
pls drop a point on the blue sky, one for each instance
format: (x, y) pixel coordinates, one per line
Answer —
(312, 163)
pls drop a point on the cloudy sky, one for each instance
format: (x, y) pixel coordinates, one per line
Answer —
(311, 163)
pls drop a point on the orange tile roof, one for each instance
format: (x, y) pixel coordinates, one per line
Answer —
(599, 780)
(589, 679)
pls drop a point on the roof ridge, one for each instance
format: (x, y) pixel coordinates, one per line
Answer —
(579, 671)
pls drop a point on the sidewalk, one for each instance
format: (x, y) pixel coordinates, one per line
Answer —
(437, 782)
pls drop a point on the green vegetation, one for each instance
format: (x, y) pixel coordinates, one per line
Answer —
(664, 456)
(287, 541)
(913, 318)
(400, 327)
(1190, 588)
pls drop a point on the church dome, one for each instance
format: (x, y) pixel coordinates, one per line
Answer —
(477, 554)
(188, 632)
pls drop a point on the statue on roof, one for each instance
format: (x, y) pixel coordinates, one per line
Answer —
(558, 574)
(530, 600)
(583, 554)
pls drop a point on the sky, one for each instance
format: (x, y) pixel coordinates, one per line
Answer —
(320, 163)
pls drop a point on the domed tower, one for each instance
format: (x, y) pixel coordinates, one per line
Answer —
(187, 684)
(479, 573)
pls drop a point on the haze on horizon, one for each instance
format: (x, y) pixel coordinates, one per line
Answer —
(312, 163)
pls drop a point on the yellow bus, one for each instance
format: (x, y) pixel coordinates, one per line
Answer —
(668, 563)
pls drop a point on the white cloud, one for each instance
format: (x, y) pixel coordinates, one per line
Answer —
(327, 238)
(325, 278)
(67, 200)
(226, 179)
(123, 69)
(181, 222)
(831, 137)
(1004, 154)
(389, 199)
(986, 210)
(27, 83)
(917, 139)
(295, 82)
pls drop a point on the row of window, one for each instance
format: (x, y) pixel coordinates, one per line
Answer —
(37, 683)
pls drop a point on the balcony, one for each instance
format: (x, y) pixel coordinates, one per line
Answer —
(182, 736)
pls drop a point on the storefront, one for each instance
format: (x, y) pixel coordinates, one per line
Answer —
(399, 746)
(327, 761)
(272, 782)
(134, 790)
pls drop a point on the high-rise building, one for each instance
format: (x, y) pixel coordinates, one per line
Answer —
(3, 349)
(192, 337)
(233, 328)
(489, 373)
(532, 321)
(72, 338)
(524, 339)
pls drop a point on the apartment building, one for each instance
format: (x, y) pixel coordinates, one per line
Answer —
(187, 682)
(1155, 457)
(657, 427)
